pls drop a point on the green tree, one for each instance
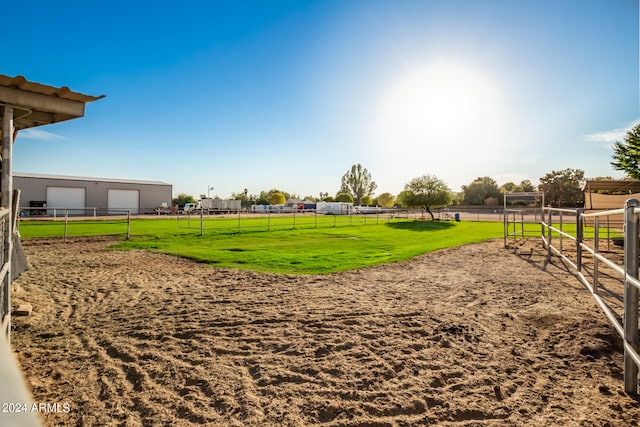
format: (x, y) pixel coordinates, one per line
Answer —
(357, 182)
(366, 201)
(182, 199)
(427, 192)
(626, 155)
(266, 196)
(562, 188)
(277, 198)
(510, 187)
(386, 200)
(344, 197)
(479, 190)
(527, 186)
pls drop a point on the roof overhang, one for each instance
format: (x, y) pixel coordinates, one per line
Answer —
(36, 104)
(612, 185)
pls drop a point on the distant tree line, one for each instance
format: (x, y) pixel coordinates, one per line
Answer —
(428, 192)
(561, 188)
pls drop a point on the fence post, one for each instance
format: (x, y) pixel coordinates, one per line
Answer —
(66, 219)
(505, 221)
(128, 224)
(596, 249)
(579, 239)
(201, 222)
(548, 260)
(630, 294)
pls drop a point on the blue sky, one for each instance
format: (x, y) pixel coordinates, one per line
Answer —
(290, 94)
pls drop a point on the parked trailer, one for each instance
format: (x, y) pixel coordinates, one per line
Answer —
(334, 208)
(219, 205)
(367, 209)
(213, 206)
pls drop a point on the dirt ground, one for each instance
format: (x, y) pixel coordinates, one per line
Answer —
(473, 336)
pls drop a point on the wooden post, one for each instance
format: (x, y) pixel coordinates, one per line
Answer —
(6, 188)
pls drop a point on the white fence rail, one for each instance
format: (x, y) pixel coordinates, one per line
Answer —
(626, 323)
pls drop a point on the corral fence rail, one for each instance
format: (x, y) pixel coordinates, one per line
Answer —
(287, 219)
(78, 217)
(557, 238)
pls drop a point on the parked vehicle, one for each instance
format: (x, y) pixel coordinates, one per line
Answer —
(334, 208)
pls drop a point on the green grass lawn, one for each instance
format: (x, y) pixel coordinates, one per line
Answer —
(297, 251)
(322, 250)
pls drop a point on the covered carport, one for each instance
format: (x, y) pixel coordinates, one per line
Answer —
(23, 105)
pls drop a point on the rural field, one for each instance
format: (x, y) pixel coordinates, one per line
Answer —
(157, 333)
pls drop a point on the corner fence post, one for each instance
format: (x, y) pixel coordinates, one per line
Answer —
(630, 294)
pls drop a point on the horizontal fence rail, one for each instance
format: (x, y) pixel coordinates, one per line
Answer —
(573, 230)
(118, 222)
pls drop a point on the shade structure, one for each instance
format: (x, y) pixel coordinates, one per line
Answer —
(36, 104)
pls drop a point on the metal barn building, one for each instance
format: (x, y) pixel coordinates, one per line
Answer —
(84, 195)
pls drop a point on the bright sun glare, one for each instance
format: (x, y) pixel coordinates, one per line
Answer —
(441, 103)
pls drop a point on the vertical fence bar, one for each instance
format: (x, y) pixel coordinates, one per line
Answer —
(596, 249)
(294, 218)
(505, 221)
(66, 220)
(630, 294)
(269, 219)
(201, 222)
(579, 239)
(561, 229)
(239, 220)
(128, 224)
(608, 235)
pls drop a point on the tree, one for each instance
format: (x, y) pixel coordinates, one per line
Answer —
(427, 191)
(265, 196)
(366, 201)
(626, 155)
(510, 187)
(182, 199)
(527, 186)
(479, 190)
(358, 183)
(277, 198)
(386, 200)
(562, 188)
(344, 197)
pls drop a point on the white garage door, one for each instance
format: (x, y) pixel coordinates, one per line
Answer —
(124, 199)
(66, 197)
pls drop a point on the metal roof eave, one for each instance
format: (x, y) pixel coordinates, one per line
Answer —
(36, 104)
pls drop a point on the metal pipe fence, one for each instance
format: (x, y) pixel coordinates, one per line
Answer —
(72, 224)
(294, 219)
(585, 244)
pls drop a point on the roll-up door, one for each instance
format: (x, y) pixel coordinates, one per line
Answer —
(123, 200)
(66, 197)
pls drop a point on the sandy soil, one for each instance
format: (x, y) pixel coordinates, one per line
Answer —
(473, 336)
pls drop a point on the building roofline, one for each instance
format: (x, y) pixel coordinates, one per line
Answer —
(86, 178)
